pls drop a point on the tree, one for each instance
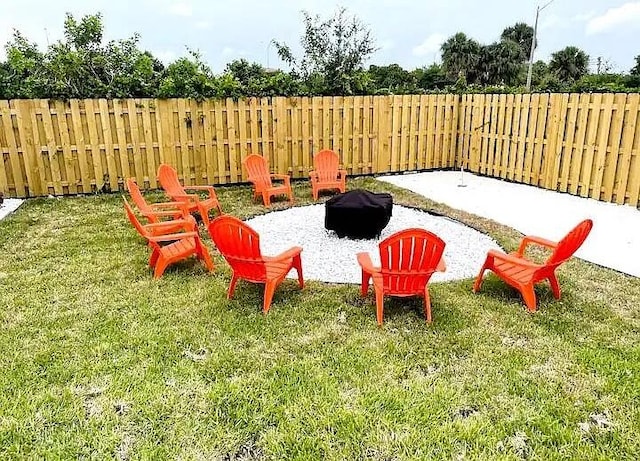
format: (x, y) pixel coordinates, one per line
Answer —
(540, 74)
(392, 79)
(189, 78)
(432, 77)
(22, 75)
(500, 63)
(244, 71)
(522, 34)
(636, 69)
(334, 51)
(460, 57)
(569, 64)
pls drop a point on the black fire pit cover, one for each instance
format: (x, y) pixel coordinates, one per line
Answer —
(358, 214)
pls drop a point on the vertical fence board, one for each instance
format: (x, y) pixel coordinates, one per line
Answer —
(575, 168)
(517, 136)
(613, 150)
(567, 155)
(14, 160)
(628, 131)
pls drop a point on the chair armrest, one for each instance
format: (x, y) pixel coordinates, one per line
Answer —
(187, 197)
(512, 258)
(210, 189)
(172, 237)
(342, 174)
(169, 224)
(366, 264)
(284, 177)
(288, 254)
(165, 213)
(174, 205)
(527, 239)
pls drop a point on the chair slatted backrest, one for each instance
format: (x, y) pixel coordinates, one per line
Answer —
(258, 171)
(169, 181)
(570, 243)
(240, 247)
(134, 219)
(326, 163)
(136, 196)
(408, 259)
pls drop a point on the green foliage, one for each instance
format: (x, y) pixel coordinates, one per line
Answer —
(569, 64)
(80, 66)
(334, 51)
(521, 34)
(499, 63)
(636, 69)
(22, 75)
(432, 78)
(392, 79)
(188, 78)
(83, 65)
(460, 57)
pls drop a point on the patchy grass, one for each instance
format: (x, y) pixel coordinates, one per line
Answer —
(101, 361)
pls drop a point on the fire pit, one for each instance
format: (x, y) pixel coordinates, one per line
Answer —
(358, 214)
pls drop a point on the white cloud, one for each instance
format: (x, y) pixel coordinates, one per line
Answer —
(202, 25)
(181, 8)
(430, 45)
(582, 17)
(624, 15)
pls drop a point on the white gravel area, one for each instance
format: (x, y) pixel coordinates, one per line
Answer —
(327, 258)
(9, 205)
(614, 241)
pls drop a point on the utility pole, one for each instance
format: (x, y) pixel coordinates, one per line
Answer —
(533, 43)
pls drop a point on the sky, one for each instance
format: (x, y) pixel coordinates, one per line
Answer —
(407, 32)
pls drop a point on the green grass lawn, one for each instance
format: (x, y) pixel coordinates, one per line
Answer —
(100, 361)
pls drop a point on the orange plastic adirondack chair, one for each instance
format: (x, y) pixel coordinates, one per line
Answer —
(181, 246)
(522, 274)
(154, 212)
(169, 181)
(240, 246)
(327, 173)
(258, 174)
(409, 258)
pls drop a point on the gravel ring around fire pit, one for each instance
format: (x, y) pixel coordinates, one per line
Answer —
(327, 258)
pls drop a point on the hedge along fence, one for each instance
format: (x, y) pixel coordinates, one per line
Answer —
(585, 144)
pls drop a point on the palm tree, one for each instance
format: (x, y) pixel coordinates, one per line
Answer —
(500, 63)
(522, 34)
(569, 64)
(460, 55)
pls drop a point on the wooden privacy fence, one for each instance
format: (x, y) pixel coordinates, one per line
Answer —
(56, 147)
(585, 144)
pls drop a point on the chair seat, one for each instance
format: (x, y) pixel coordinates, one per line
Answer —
(330, 184)
(181, 247)
(278, 269)
(283, 189)
(515, 271)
